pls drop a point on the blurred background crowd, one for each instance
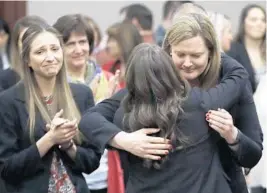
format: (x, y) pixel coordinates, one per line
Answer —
(240, 28)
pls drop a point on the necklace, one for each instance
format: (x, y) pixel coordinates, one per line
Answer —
(48, 100)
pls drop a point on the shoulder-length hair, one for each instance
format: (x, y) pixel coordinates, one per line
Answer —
(155, 93)
(63, 95)
(189, 26)
(77, 23)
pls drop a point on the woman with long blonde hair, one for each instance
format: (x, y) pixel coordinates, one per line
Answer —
(42, 149)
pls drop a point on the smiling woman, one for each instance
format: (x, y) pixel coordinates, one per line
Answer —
(37, 142)
(78, 39)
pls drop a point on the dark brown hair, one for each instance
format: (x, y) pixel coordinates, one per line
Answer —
(155, 94)
(77, 23)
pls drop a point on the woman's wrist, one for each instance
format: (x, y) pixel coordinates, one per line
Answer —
(67, 146)
(234, 139)
(118, 141)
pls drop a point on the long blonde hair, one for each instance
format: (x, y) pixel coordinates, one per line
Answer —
(62, 94)
(191, 25)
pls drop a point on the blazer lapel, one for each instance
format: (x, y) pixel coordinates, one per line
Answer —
(40, 128)
(40, 125)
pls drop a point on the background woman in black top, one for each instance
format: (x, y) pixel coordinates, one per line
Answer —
(249, 47)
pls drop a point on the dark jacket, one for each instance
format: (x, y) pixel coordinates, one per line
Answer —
(239, 53)
(8, 78)
(103, 130)
(22, 168)
(250, 150)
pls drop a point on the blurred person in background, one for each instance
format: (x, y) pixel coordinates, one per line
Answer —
(12, 75)
(169, 8)
(122, 38)
(103, 82)
(5, 37)
(189, 7)
(223, 27)
(249, 46)
(141, 16)
(78, 39)
(96, 30)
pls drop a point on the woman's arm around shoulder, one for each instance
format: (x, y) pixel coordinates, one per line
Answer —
(227, 92)
(99, 119)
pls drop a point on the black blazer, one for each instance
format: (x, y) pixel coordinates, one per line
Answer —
(22, 169)
(103, 130)
(8, 78)
(239, 53)
(250, 151)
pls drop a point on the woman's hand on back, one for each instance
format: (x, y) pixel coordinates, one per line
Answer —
(140, 144)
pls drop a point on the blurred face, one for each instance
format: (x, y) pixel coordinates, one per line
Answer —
(3, 38)
(113, 49)
(20, 38)
(46, 55)
(191, 57)
(227, 36)
(255, 24)
(76, 50)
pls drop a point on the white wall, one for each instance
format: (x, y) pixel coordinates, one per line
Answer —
(106, 13)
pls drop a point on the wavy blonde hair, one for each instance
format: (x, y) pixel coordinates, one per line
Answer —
(62, 89)
(189, 26)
